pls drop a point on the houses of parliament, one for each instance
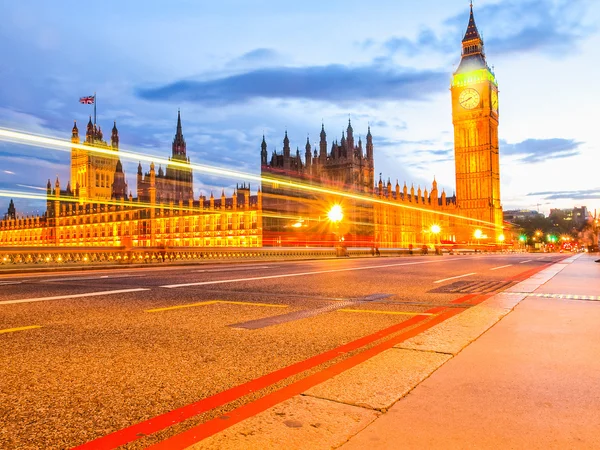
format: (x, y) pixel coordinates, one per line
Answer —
(97, 207)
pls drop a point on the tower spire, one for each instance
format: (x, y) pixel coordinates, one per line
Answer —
(473, 53)
(179, 146)
(472, 31)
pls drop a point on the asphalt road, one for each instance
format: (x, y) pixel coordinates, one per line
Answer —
(85, 354)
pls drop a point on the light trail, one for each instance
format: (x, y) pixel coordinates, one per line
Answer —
(63, 145)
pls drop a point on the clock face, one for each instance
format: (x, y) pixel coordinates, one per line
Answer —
(469, 98)
(494, 101)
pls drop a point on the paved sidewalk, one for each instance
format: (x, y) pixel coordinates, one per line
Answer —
(530, 381)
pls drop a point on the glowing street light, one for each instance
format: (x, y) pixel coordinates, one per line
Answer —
(435, 229)
(335, 214)
(478, 234)
(501, 238)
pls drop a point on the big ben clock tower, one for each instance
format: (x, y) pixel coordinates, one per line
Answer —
(475, 119)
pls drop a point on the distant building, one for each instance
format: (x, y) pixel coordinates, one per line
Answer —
(577, 216)
(521, 214)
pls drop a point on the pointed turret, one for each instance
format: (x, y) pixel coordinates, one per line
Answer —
(263, 151)
(308, 153)
(286, 145)
(350, 138)
(179, 145)
(89, 133)
(12, 212)
(119, 186)
(473, 55)
(114, 137)
(360, 148)
(369, 144)
(75, 133)
(323, 145)
(139, 172)
(472, 31)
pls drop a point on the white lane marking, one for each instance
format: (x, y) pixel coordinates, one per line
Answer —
(232, 269)
(565, 296)
(454, 278)
(523, 262)
(501, 267)
(301, 274)
(61, 297)
(103, 277)
(2, 283)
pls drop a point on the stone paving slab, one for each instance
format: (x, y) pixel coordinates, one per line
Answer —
(381, 381)
(454, 334)
(299, 423)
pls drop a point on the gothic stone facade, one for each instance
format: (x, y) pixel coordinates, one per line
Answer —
(95, 210)
(380, 215)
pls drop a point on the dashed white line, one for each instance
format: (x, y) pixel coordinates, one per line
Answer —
(3, 283)
(523, 262)
(233, 269)
(454, 278)
(61, 297)
(103, 277)
(301, 274)
(501, 267)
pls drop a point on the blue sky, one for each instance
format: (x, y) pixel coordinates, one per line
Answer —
(239, 69)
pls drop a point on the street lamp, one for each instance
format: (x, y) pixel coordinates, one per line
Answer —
(478, 235)
(435, 229)
(335, 216)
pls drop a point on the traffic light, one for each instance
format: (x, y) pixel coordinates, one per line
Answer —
(522, 238)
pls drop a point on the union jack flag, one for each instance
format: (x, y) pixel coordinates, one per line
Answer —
(89, 100)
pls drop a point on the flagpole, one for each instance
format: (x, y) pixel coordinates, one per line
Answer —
(94, 108)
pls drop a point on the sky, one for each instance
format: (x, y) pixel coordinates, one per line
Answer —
(238, 69)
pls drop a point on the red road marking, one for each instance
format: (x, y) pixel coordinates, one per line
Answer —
(178, 415)
(528, 273)
(217, 424)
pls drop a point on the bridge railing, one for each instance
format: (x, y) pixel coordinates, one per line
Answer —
(146, 255)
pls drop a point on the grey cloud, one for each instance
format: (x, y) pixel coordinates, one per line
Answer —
(333, 83)
(586, 194)
(546, 26)
(540, 150)
(259, 55)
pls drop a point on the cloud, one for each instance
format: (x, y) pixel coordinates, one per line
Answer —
(540, 150)
(518, 26)
(585, 194)
(259, 55)
(334, 83)
(426, 40)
